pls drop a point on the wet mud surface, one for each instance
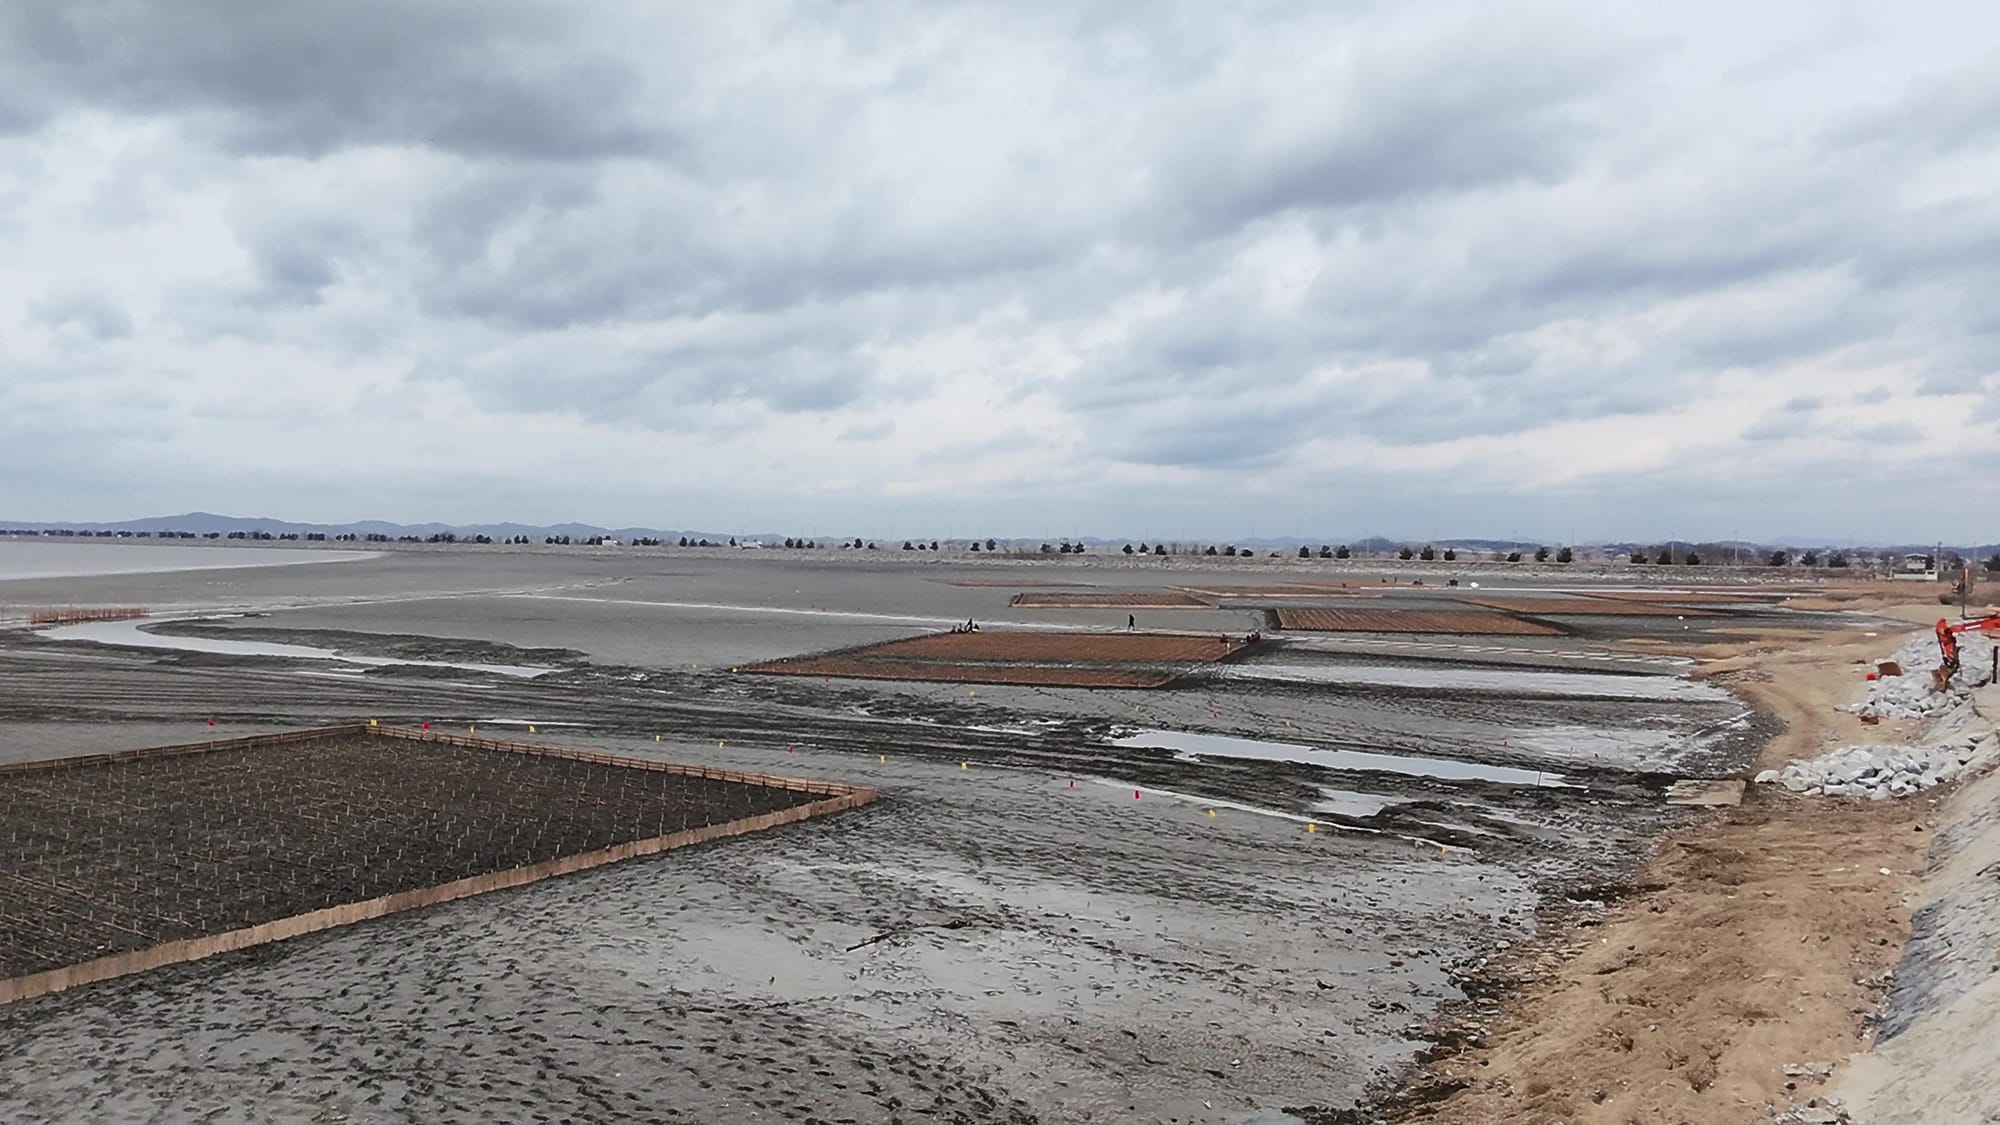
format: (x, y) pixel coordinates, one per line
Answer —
(1007, 935)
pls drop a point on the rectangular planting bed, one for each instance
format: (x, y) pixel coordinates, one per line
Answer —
(117, 863)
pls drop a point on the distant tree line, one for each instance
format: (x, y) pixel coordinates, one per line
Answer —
(1669, 554)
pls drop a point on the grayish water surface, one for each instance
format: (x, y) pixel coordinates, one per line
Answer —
(36, 559)
(130, 635)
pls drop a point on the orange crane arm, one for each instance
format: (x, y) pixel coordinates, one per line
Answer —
(1980, 625)
(1947, 636)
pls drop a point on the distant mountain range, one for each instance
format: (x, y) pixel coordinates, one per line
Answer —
(207, 523)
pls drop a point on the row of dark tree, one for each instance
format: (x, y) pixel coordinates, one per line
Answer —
(1669, 555)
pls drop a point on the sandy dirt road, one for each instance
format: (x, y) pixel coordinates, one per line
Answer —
(1754, 942)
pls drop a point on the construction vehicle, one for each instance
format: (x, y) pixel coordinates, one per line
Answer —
(1961, 587)
(1947, 635)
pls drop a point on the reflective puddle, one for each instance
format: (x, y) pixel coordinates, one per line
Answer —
(1347, 802)
(1196, 745)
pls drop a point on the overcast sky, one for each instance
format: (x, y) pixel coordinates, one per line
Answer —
(1167, 270)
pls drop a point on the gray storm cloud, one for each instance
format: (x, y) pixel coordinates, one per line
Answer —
(1402, 268)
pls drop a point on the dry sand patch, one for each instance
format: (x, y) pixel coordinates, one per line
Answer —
(1754, 942)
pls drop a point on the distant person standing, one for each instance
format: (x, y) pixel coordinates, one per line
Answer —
(1131, 622)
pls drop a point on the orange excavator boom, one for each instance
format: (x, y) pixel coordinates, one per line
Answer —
(1947, 636)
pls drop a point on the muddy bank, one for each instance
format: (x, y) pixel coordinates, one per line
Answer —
(1947, 983)
(1009, 934)
(1052, 954)
(1754, 945)
(402, 646)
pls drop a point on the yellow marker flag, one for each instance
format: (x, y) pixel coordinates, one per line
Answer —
(883, 757)
(965, 765)
(656, 738)
(371, 722)
(1312, 828)
(531, 728)
(1211, 813)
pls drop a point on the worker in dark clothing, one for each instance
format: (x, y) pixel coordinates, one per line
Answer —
(1131, 622)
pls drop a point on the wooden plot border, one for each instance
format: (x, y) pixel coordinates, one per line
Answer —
(835, 797)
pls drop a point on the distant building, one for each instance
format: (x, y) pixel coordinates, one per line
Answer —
(1918, 568)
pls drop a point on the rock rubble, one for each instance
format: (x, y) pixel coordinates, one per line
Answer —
(1881, 772)
(1910, 695)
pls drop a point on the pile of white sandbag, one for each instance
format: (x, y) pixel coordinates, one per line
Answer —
(1881, 772)
(1911, 695)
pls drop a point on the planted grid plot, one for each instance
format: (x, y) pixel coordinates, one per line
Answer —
(121, 862)
(1468, 622)
(1587, 607)
(1099, 599)
(1106, 660)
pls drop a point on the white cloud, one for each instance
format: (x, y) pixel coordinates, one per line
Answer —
(1187, 269)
